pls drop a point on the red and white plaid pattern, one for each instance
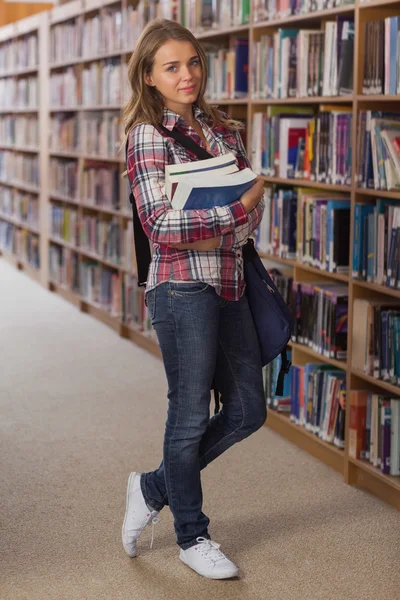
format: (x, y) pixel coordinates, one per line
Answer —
(148, 153)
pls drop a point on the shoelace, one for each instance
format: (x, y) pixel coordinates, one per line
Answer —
(210, 550)
(154, 522)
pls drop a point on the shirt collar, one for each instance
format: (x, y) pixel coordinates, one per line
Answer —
(171, 118)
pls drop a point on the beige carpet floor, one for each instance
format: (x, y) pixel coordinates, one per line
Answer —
(80, 408)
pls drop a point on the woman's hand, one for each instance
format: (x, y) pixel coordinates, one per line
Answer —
(252, 197)
(201, 245)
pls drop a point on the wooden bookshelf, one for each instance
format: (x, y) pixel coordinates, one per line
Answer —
(355, 472)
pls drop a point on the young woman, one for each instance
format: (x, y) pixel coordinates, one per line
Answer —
(194, 293)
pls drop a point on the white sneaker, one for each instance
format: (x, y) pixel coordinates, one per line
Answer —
(207, 560)
(137, 515)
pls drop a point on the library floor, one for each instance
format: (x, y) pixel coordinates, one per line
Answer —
(80, 408)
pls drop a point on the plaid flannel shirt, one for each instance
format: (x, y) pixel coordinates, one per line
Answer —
(149, 151)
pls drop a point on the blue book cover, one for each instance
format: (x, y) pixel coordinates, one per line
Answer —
(241, 66)
(203, 198)
(393, 44)
(384, 345)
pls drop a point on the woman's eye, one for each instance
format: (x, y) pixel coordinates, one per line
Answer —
(171, 68)
(195, 62)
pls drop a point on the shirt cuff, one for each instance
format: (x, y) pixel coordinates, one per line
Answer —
(238, 213)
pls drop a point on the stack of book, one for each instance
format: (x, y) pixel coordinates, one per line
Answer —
(202, 15)
(66, 40)
(21, 130)
(101, 83)
(64, 267)
(65, 88)
(64, 223)
(101, 237)
(101, 287)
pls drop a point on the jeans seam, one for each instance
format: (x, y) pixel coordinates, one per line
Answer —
(241, 403)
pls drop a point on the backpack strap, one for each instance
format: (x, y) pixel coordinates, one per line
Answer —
(187, 142)
(284, 370)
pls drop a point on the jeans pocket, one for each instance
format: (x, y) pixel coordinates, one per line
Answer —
(150, 301)
(185, 290)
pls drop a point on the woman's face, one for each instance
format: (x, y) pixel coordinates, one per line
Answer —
(176, 74)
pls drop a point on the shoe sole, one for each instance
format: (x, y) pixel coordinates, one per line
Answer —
(130, 484)
(208, 576)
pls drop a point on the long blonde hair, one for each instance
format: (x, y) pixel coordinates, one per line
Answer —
(146, 104)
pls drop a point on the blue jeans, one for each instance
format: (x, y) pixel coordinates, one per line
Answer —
(201, 334)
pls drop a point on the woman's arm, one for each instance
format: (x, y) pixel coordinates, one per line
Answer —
(147, 158)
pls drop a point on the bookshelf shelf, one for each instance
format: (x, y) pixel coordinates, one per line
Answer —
(394, 482)
(17, 72)
(381, 289)
(62, 198)
(340, 364)
(305, 100)
(356, 472)
(309, 269)
(20, 224)
(310, 16)
(364, 98)
(384, 385)
(204, 35)
(307, 184)
(21, 186)
(329, 454)
(378, 193)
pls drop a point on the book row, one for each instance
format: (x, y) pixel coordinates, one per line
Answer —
(22, 167)
(201, 15)
(307, 226)
(96, 133)
(377, 243)
(382, 56)
(292, 143)
(227, 71)
(374, 430)
(295, 63)
(21, 243)
(19, 93)
(313, 397)
(19, 53)
(118, 295)
(19, 130)
(378, 150)
(100, 236)
(19, 205)
(271, 10)
(376, 338)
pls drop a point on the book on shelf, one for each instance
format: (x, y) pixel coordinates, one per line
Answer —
(64, 223)
(376, 235)
(381, 57)
(315, 401)
(374, 430)
(21, 93)
(64, 267)
(270, 379)
(293, 143)
(378, 146)
(63, 177)
(320, 312)
(134, 310)
(100, 185)
(202, 15)
(21, 243)
(376, 338)
(296, 63)
(66, 40)
(19, 130)
(102, 83)
(64, 132)
(273, 10)
(310, 227)
(19, 53)
(101, 287)
(101, 133)
(228, 70)
(22, 206)
(101, 237)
